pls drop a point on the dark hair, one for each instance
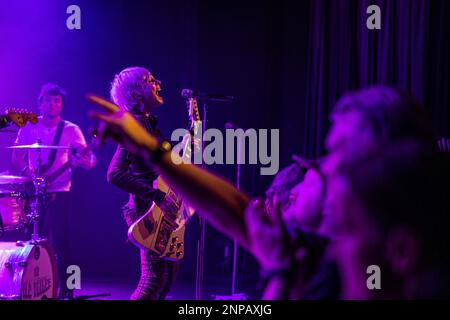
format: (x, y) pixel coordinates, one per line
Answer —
(406, 185)
(392, 113)
(284, 182)
(52, 89)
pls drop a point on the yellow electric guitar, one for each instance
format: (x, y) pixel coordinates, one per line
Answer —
(163, 231)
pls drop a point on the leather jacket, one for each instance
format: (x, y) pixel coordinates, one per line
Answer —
(132, 174)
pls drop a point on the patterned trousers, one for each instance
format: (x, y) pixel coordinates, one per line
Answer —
(157, 274)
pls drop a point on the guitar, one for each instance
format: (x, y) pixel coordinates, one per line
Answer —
(19, 117)
(80, 154)
(162, 231)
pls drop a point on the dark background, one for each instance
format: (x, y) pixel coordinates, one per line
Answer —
(286, 62)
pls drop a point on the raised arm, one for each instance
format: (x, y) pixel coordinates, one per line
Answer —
(216, 199)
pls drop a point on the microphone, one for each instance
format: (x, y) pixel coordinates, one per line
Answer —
(188, 93)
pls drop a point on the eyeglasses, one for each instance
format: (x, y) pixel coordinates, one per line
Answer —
(152, 79)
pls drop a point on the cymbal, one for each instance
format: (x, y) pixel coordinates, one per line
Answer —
(38, 146)
(7, 179)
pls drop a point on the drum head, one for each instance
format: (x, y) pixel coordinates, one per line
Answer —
(27, 272)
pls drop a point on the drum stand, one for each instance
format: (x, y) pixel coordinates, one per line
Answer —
(37, 205)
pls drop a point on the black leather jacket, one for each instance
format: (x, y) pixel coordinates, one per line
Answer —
(133, 175)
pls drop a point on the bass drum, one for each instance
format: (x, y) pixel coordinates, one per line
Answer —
(27, 271)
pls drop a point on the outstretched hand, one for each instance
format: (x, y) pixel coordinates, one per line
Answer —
(121, 126)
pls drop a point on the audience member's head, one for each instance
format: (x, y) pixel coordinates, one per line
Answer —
(365, 120)
(392, 209)
(307, 198)
(299, 192)
(283, 183)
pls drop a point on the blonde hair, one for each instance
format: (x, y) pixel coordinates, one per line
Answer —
(127, 88)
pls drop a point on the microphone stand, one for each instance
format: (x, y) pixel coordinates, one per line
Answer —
(92, 296)
(202, 222)
(235, 244)
(234, 295)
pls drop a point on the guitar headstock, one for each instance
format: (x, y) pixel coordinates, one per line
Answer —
(20, 117)
(194, 115)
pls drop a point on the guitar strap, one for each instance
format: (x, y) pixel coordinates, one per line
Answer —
(56, 140)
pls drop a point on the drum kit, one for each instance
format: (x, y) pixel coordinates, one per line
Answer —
(28, 268)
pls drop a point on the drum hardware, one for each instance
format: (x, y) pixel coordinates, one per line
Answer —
(8, 179)
(14, 200)
(39, 183)
(12, 210)
(26, 256)
(34, 260)
(39, 146)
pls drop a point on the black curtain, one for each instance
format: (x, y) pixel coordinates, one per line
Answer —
(410, 51)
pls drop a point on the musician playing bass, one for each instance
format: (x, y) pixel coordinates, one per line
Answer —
(136, 90)
(53, 130)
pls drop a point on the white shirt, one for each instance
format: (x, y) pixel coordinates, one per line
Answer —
(71, 137)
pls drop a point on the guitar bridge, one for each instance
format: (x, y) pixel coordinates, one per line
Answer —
(165, 231)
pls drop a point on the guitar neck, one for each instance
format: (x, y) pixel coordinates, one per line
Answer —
(195, 125)
(187, 151)
(52, 177)
(19, 117)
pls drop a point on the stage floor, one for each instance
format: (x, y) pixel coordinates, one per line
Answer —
(113, 290)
